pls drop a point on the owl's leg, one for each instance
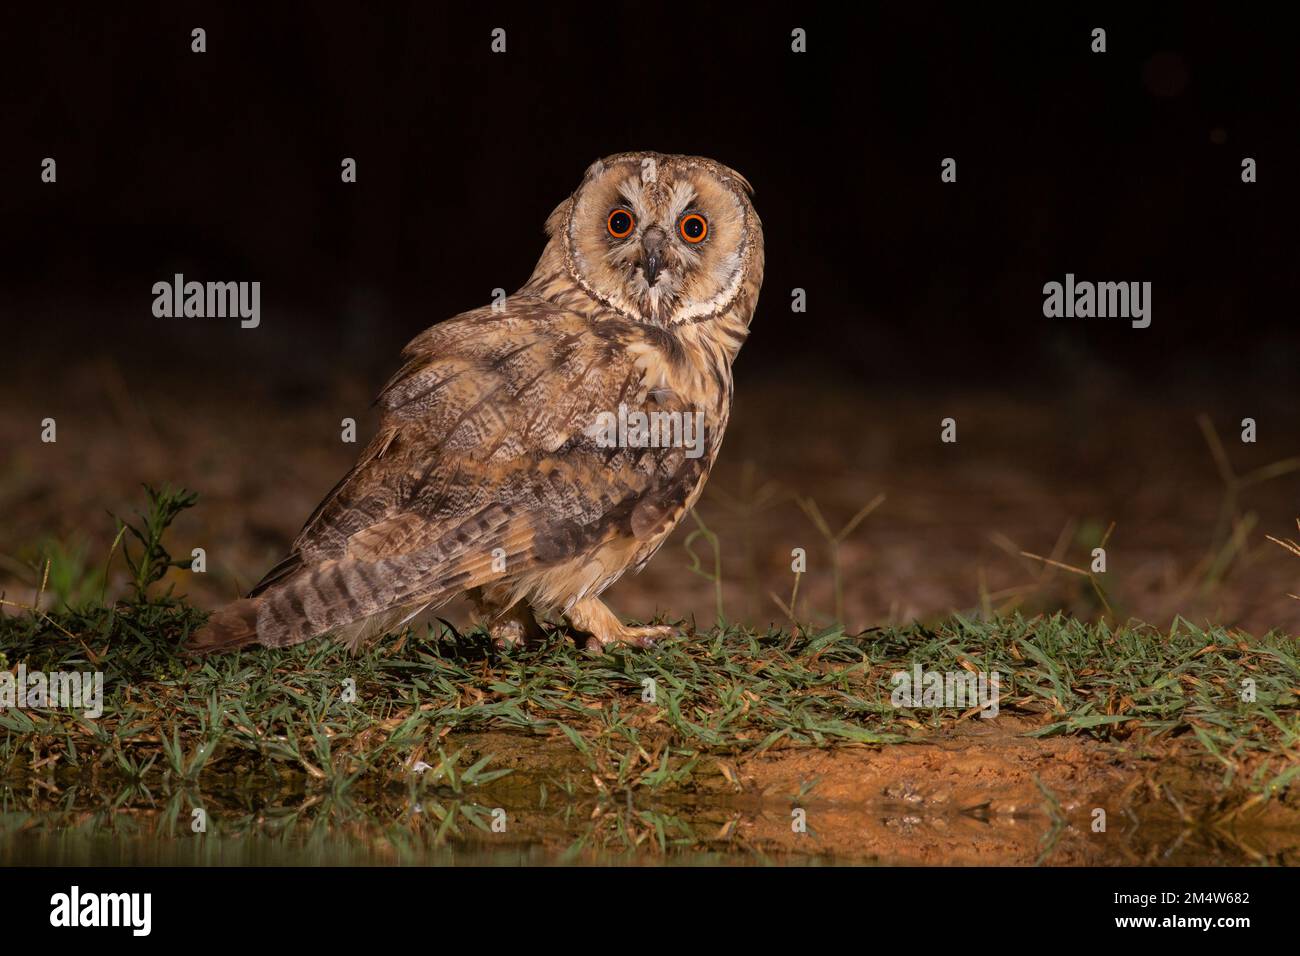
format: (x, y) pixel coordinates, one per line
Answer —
(593, 618)
(509, 624)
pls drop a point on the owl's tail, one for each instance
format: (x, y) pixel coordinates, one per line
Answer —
(354, 599)
(232, 627)
(331, 601)
(235, 626)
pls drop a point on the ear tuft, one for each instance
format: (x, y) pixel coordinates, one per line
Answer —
(749, 190)
(555, 221)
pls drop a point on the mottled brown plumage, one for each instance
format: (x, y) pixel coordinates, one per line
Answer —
(492, 473)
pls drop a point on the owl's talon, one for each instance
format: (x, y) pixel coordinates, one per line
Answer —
(650, 635)
(642, 637)
(508, 625)
(507, 636)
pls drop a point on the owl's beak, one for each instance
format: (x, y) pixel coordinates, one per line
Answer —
(652, 253)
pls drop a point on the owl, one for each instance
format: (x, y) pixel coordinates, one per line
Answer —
(531, 452)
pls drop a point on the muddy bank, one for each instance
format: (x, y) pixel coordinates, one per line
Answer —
(978, 795)
(981, 795)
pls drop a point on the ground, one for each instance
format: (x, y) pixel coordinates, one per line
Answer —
(1124, 690)
(1044, 473)
(1110, 745)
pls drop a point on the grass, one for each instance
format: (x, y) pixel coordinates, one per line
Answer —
(726, 691)
(385, 724)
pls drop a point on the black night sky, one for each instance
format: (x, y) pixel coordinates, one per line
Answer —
(1122, 166)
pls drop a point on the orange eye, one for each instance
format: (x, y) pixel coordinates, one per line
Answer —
(693, 227)
(620, 223)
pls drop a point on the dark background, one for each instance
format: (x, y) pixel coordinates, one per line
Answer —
(924, 298)
(225, 166)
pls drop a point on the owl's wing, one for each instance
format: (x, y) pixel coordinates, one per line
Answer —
(487, 457)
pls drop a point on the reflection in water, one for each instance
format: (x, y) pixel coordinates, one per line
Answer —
(557, 825)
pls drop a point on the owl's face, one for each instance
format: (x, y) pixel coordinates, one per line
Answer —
(662, 239)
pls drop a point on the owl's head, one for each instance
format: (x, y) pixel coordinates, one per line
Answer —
(662, 239)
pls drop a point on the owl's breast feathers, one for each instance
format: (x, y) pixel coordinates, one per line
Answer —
(492, 466)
